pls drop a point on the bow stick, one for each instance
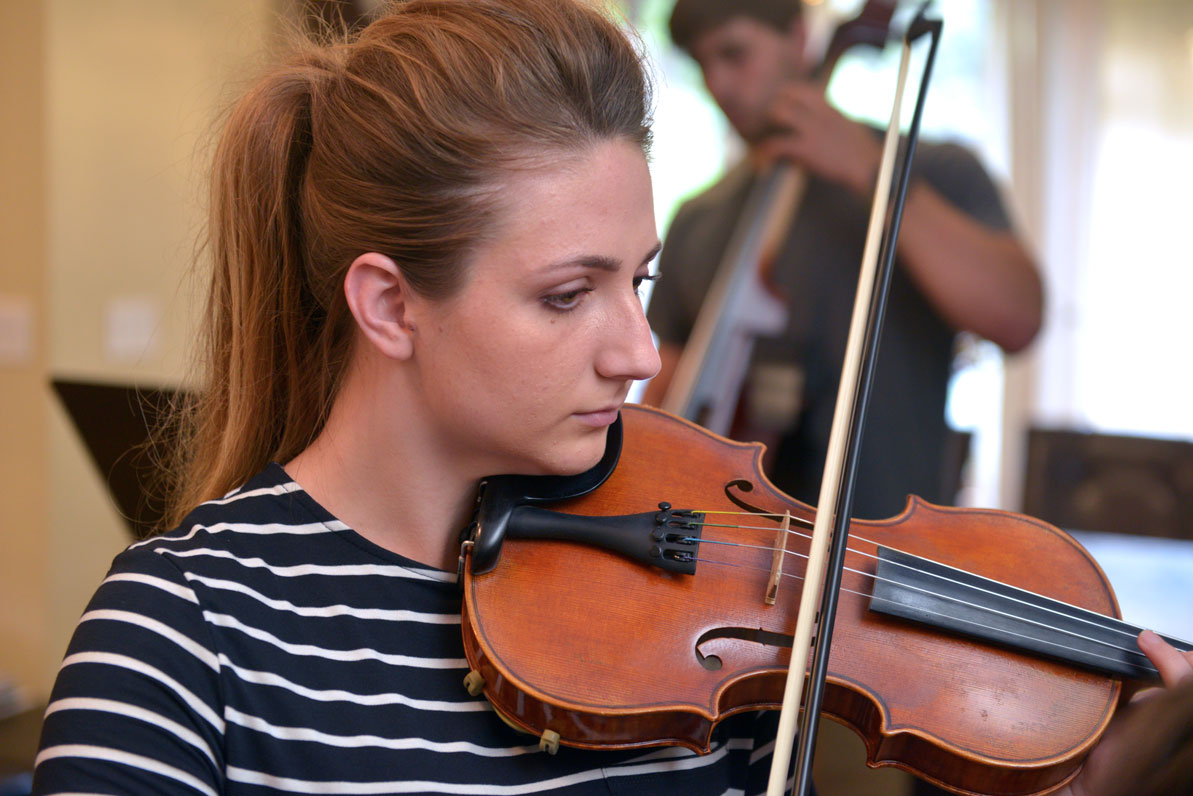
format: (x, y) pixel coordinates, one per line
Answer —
(845, 437)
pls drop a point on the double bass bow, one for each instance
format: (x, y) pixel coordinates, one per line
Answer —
(741, 303)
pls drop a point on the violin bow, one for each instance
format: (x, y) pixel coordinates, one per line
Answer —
(840, 470)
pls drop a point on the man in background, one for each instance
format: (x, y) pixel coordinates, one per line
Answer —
(959, 265)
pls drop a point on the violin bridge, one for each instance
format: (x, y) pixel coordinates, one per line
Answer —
(776, 561)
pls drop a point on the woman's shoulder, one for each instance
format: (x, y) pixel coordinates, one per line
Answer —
(269, 497)
(271, 531)
(268, 506)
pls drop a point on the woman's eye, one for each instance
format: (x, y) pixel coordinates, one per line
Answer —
(638, 280)
(565, 301)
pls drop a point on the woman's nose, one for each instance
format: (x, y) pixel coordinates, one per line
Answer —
(630, 351)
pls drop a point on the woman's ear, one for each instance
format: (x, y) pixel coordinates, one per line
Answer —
(379, 298)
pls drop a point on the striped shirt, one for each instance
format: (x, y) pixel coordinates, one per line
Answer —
(264, 647)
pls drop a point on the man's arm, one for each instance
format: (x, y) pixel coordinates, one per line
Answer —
(978, 278)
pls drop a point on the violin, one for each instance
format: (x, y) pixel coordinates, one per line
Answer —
(978, 649)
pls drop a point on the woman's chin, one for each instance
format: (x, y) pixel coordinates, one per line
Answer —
(575, 456)
(573, 465)
(566, 454)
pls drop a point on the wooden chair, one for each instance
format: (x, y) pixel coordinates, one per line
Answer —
(1105, 482)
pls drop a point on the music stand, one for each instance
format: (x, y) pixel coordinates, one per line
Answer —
(114, 421)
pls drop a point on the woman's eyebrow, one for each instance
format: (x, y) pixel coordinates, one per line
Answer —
(604, 263)
(653, 253)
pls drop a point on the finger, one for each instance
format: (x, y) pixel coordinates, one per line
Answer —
(789, 113)
(793, 108)
(804, 94)
(1146, 693)
(776, 148)
(1174, 667)
(781, 121)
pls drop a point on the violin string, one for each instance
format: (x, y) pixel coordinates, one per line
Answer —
(807, 523)
(1095, 619)
(947, 616)
(950, 598)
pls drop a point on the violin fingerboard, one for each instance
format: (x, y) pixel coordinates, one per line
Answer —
(974, 606)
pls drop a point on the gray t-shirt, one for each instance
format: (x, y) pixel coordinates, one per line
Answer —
(905, 436)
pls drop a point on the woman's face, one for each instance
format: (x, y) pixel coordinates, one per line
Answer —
(524, 368)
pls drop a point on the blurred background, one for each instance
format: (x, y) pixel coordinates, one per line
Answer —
(1082, 109)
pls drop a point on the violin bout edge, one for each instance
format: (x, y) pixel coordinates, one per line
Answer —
(584, 727)
(952, 770)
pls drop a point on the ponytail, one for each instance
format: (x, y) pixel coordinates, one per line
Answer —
(272, 351)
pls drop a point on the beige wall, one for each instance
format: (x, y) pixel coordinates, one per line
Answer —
(23, 395)
(107, 112)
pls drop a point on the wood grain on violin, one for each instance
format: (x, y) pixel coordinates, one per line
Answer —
(609, 651)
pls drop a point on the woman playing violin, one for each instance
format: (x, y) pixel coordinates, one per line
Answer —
(427, 245)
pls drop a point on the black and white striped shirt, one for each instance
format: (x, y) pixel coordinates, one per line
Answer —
(264, 647)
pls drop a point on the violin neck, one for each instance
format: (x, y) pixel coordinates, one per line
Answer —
(945, 597)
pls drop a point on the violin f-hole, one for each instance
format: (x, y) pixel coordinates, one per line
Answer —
(756, 635)
(745, 486)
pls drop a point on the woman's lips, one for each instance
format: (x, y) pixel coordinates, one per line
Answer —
(601, 417)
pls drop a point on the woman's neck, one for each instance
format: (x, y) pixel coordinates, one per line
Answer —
(374, 467)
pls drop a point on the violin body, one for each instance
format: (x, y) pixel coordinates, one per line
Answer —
(612, 653)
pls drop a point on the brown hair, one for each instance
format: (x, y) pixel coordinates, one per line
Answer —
(691, 19)
(395, 142)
